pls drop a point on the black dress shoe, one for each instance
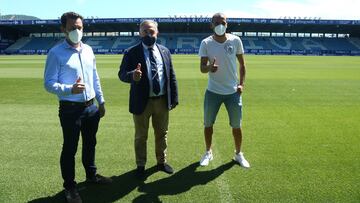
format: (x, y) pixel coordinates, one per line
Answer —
(166, 168)
(72, 195)
(140, 171)
(99, 179)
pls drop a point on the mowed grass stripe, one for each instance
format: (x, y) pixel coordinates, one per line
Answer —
(301, 135)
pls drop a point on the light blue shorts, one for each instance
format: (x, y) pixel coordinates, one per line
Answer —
(212, 103)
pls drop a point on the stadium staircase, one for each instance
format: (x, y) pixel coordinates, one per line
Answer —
(355, 42)
(14, 48)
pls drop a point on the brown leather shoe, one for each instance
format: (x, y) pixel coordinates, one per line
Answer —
(72, 196)
(99, 179)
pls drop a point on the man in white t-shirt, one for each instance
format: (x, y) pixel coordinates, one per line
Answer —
(219, 53)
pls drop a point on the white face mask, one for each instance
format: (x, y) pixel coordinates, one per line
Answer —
(220, 30)
(75, 36)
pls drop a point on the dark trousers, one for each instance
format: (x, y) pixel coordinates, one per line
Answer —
(75, 119)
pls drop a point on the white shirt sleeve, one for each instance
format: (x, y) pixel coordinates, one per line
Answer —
(97, 86)
(202, 49)
(240, 48)
(51, 76)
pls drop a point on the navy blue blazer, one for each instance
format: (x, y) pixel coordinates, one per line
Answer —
(139, 91)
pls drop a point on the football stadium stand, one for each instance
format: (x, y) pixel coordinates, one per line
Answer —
(259, 36)
(185, 43)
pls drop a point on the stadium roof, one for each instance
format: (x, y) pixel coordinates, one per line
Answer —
(18, 17)
(192, 25)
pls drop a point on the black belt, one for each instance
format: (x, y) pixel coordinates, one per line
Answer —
(71, 103)
(158, 97)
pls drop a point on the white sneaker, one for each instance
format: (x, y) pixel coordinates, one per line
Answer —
(241, 160)
(206, 158)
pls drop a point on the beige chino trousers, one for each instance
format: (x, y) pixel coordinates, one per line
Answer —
(159, 113)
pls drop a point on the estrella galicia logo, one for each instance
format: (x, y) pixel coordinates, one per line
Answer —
(229, 48)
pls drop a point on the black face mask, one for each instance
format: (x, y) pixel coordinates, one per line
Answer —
(148, 40)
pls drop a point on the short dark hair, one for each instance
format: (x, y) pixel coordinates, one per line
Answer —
(69, 15)
(217, 15)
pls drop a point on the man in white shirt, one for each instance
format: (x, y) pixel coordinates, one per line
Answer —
(71, 74)
(219, 53)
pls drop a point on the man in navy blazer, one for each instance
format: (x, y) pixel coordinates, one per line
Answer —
(148, 68)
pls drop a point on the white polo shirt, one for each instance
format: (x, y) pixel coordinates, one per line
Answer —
(225, 80)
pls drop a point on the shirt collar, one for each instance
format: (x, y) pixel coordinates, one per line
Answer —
(68, 46)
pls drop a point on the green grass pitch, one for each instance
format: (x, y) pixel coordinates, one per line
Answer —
(301, 124)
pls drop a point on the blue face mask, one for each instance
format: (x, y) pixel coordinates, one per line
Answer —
(148, 40)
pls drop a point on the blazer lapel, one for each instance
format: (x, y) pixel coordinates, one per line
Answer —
(164, 59)
(142, 59)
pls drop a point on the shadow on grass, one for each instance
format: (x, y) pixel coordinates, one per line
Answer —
(180, 182)
(122, 185)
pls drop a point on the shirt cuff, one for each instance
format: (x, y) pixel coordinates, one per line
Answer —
(68, 89)
(100, 100)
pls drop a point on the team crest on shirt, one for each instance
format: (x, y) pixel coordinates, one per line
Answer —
(229, 48)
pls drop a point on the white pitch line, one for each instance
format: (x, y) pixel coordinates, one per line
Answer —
(222, 181)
